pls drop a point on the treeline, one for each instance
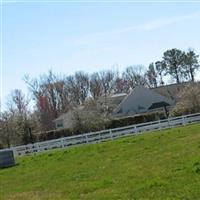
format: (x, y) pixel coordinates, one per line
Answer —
(55, 94)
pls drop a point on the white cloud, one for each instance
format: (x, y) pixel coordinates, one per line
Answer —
(149, 26)
(167, 21)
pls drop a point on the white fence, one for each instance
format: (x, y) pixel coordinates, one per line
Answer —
(105, 134)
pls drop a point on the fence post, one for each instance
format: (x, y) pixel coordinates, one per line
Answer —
(169, 125)
(111, 135)
(135, 129)
(183, 120)
(86, 138)
(99, 135)
(159, 125)
(62, 144)
(37, 147)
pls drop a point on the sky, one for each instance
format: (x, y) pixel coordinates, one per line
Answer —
(67, 36)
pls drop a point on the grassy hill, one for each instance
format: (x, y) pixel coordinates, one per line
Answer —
(160, 165)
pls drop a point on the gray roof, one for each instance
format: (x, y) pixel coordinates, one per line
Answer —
(171, 91)
(112, 101)
(141, 100)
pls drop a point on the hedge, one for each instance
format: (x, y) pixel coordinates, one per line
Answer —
(109, 124)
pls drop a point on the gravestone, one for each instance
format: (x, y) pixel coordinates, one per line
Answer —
(6, 158)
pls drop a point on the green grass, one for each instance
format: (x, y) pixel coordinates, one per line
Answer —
(163, 165)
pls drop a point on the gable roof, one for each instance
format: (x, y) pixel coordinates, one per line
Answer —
(112, 98)
(141, 100)
(171, 91)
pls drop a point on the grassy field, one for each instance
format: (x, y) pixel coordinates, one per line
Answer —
(161, 165)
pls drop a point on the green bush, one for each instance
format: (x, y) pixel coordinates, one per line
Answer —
(126, 121)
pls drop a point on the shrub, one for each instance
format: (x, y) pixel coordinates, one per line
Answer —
(188, 100)
(126, 121)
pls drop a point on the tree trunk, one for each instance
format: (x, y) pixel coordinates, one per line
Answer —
(177, 76)
(191, 74)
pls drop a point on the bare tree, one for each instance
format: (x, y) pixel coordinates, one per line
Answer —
(107, 81)
(96, 89)
(78, 87)
(48, 83)
(19, 102)
(121, 85)
(134, 75)
(82, 82)
(74, 90)
(7, 129)
(19, 106)
(54, 94)
(152, 76)
(62, 93)
(45, 96)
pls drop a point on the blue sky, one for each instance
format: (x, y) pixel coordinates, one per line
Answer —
(69, 37)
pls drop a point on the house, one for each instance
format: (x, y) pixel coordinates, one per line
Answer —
(64, 121)
(142, 100)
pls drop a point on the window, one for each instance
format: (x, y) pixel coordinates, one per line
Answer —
(59, 124)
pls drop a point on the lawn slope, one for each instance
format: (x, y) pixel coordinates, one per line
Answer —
(160, 165)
